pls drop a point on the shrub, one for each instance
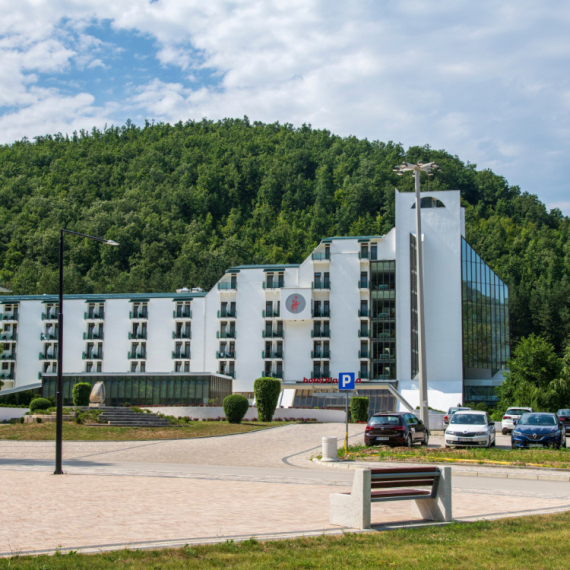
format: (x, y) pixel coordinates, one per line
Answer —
(359, 409)
(81, 393)
(235, 407)
(266, 391)
(39, 404)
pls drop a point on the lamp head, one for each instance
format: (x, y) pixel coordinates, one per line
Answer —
(111, 242)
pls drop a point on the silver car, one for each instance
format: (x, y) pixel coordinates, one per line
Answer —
(470, 428)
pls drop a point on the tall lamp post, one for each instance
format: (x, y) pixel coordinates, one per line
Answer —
(59, 389)
(422, 373)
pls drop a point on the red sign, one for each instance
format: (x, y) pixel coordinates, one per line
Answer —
(325, 381)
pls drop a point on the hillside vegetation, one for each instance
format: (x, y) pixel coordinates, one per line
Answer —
(189, 200)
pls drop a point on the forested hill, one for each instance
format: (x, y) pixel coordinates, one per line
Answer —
(187, 201)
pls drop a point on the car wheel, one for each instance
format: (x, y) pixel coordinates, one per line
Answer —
(505, 431)
(494, 441)
(425, 441)
(409, 442)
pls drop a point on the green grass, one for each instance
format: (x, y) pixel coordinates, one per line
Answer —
(79, 432)
(559, 458)
(539, 542)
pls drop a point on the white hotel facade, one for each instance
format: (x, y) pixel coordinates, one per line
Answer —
(349, 307)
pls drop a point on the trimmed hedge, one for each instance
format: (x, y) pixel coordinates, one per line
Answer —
(235, 408)
(266, 391)
(359, 409)
(81, 393)
(40, 404)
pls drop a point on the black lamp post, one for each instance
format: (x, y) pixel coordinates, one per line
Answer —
(59, 389)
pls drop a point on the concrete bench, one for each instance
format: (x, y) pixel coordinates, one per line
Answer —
(428, 487)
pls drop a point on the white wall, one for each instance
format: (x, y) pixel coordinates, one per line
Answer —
(116, 330)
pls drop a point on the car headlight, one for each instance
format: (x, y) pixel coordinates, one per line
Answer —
(481, 433)
(555, 433)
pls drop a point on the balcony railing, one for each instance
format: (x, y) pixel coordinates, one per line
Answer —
(384, 357)
(382, 376)
(270, 314)
(363, 354)
(272, 374)
(93, 336)
(182, 335)
(321, 313)
(48, 356)
(317, 375)
(138, 315)
(138, 335)
(9, 317)
(9, 336)
(320, 333)
(182, 314)
(383, 316)
(230, 373)
(94, 316)
(226, 334)
(226, 355)
(364, 255)
(7, 376)
(141, 355)
(50, 336)
(320, 285)
(384, 335)
(7, 356)
(227, 314)
(227, 286)
(321, 256)
(380, 286)
(363, 334)
(92, 356)
(274, 285)
(181, 355)
(363, 313)
(320, 354)
(49, 316)
(272, 354)
(363, 374)
(363, 283)
(272, 334)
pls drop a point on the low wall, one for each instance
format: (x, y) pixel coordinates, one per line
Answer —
(436, 422)
(326, 416)
(12, 413)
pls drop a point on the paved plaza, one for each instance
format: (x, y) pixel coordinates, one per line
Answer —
(169, 493)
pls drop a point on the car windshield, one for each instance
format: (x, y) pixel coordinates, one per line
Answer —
(537, 420)
(516, 411)
(564, 412)
(469, 419)
(385, 420)
(453, 410)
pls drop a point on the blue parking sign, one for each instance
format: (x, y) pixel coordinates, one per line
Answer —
(346, 381)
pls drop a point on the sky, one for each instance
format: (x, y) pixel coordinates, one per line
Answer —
(486, 80)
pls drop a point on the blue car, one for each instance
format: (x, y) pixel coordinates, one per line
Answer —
(538, 429)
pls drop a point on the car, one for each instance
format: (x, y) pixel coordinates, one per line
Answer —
(470, 428)
(564, 416)
(538, 429)
(395, 428)
(450, 412)
(510, 416)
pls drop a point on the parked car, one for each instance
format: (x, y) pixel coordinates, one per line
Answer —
(538, 429)
(564, 416)
(467, 428)
(510, 417)
(395, 428)
(450, 412)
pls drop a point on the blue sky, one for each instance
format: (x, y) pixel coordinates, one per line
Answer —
(486, 80)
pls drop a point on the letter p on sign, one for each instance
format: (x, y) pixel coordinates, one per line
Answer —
(346, 380)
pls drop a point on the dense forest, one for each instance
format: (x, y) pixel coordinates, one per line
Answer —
(186, 201)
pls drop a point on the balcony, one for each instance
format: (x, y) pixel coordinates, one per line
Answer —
(364, 255)
(321, 256)
(94, 316)
(10, 337)
(227, 314)
(363, 334)
(48, 356)
(227, 286)
(231, 373)
(380, 286)
(226, 355)
(138, 335)
(363, 354)
(182, 335)
(384, 316)
(93, 336)
(225, 334)
(140, 355)
(272, 334)
(49, 316)
(138, 315)
(274, 285)
(321, 313)
(363, 283)
(384, 335)
(182, 314)
(9, 317)
(321, 285)
(7, 376)
(272, 374)
(320, 333)
(181, 355)
(8, 356)
(271, 354)
(319, 375)
(50, 336)
(92, 356)
(270, 314)
(320, 354)
(363, 313)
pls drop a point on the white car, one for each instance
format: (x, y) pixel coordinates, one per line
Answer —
(511, 414)
(470, 428)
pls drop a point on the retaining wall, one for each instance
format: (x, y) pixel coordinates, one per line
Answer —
(12, 413)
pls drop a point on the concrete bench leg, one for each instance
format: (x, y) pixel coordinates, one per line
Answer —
(353, 510)
(438, 509)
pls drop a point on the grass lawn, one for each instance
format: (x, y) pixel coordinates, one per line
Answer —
(533, 542)
(559, 458)
(79, 432)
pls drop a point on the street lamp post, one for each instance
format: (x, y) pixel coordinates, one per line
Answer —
(59, 389)
(422, 365)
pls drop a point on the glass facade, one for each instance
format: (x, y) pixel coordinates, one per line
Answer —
(378, 400)
(485, 314)
(149, 389)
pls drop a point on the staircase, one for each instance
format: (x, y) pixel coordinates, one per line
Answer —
(125, 417)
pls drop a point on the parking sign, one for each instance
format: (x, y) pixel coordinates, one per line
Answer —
(346, 380)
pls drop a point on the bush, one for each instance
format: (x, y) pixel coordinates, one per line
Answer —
(359, 409)
(39, 404)
(235, 407)
(81, 393)
(266, 391)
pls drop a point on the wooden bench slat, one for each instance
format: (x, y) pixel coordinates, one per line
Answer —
(406, 470)
(400, 483)
(400, 493)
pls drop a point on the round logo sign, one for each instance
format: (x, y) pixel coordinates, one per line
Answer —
(295, 303)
